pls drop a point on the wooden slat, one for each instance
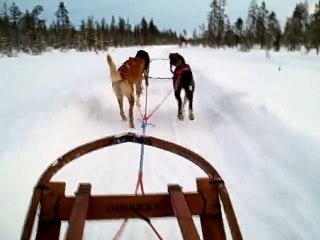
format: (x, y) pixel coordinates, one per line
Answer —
(212, 224)
(130, 206)
(182, 213)
(31, 215)
(49, 224)
(79, 213)
(48, 230)
(230, 214)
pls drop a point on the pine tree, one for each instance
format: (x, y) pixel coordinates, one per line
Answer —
(216, 22)
(296, 26)
(82, 44)
(261, 24)
(202, 33)
(122, 31)
(129, 40)
(144, 31)
(195, 34)
(136, 33)
(221, 21)
(230, 39)
(5, 46)
(113, 24)
(113, 31)
(274, 32)
(153, 32)
(39, 30)
(238, 31)
(14, 17)
(252, 22)
(103, 34)
(213, 23)
(26, 24)
(62, 15)
(15, 14)
(91, 34)
(63, 26)
(315, 28)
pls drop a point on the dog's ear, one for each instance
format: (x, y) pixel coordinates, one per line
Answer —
(182, 59)
(171, 69)
(146, 76)
(143, 54)
(172, 59)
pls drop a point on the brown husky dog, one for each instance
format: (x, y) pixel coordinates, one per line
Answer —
(128, 76)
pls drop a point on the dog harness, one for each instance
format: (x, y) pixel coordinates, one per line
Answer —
(126, 67)
(178, 73)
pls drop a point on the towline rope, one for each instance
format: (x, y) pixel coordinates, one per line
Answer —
(157, 59)
(161, 78)
(144, 124)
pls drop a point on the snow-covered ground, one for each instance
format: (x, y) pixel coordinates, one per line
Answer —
(257, 122)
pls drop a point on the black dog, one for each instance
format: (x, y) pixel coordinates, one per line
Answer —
(182, 79)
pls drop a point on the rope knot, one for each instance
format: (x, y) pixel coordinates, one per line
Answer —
(145, 123)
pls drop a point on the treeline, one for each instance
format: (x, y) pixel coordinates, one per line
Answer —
(261, 27)
(28, 32)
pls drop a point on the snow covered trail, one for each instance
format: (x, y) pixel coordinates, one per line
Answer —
(258, 154)
(269, 162)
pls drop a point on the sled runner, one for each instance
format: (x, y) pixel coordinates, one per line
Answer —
(49, 206)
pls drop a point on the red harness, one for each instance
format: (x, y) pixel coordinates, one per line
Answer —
(126, 67)
(178, 73)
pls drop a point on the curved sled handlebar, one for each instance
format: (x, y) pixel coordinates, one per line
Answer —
(123, 138)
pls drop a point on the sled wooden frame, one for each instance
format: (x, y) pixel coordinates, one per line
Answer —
(56, 207)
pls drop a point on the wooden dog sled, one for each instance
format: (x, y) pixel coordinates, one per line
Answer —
(49, 206)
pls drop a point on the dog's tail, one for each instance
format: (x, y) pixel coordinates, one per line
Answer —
(114, 74)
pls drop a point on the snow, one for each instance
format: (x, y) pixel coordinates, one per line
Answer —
(256, 125)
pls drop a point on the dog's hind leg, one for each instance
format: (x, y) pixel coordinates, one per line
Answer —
(185, 100)
(131, 105)
(119, 94)
(120, 102)
(179, 101)
(189, 96)
(138, 94)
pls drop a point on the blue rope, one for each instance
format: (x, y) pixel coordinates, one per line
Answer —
(143, 126)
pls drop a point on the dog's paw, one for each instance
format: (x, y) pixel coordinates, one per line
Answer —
(191, 116)
(180, 117)
(124, 117)
(131, 124)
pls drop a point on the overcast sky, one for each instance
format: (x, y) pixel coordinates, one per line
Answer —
(174, 14)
